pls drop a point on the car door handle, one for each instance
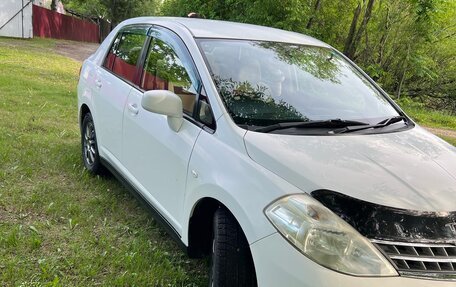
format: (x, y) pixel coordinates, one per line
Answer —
(133, 109)
(98, 83)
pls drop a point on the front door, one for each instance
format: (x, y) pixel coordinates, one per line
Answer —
(156, 156)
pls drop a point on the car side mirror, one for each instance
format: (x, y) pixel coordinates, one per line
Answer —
(165, 103)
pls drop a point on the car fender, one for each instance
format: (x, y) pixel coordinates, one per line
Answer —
(221, 171)
(86, 91)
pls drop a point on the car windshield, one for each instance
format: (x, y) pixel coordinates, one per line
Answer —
(265, 83)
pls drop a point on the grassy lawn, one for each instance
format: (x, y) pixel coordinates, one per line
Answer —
(58, 225)
(430, 118)
(427, 117)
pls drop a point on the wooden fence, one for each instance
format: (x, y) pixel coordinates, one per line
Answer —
(50, 24)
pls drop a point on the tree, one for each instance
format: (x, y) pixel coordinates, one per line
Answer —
(355, 33)
(313, 16)
(114, 11)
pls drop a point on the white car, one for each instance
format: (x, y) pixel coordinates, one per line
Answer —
(272, 153)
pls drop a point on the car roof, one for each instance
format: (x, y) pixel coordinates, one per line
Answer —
(204, 28)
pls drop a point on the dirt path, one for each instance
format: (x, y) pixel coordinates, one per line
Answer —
(78, 51)
(442, 132)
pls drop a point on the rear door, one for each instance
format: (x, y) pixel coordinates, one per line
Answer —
(114, 82)
(156, 156)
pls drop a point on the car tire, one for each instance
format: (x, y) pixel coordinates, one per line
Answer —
(231, 263)
(89, 146)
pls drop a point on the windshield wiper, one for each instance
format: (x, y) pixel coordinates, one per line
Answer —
(332, 123)
(392, 120)
(380, 124)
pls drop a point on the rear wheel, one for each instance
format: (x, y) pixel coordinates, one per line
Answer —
(90, 155)
(231, 260)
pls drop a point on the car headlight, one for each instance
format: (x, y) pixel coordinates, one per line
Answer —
(325, 238)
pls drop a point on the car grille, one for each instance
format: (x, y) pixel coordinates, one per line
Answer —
(421, 260)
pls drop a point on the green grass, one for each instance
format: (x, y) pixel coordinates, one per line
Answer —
(450, 140)
(426, 117)
(59, 226)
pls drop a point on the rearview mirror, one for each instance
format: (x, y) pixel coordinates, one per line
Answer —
(165, 103)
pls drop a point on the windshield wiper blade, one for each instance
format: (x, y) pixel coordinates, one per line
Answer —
(392, 120)
(332, 123)
(380, 124)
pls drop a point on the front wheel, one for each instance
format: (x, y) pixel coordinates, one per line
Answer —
(89, 148)
(231, 260)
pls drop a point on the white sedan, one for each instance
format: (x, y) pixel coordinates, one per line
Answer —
(272, 153)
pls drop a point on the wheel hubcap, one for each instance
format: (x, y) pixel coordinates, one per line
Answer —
(90, 150)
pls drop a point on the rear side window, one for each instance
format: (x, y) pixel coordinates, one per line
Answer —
(124, 55)
(167, 68)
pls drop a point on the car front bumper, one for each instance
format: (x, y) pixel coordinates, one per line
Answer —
(278, 263)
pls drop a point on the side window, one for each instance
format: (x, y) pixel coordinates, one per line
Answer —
(111, 56)
(124, 55)
(168, 68)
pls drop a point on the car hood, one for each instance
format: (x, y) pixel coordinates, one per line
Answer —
(411, 169)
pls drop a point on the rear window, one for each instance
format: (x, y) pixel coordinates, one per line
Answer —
(124, 55)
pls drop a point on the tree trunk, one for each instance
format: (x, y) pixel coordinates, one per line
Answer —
(384, 37)
(312, 17)
(398, 95)
(54, 5)
(363, 27)
(351, 34)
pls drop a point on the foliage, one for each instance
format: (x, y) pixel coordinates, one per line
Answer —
(113, 10)
(59, 226)
(407, 46)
